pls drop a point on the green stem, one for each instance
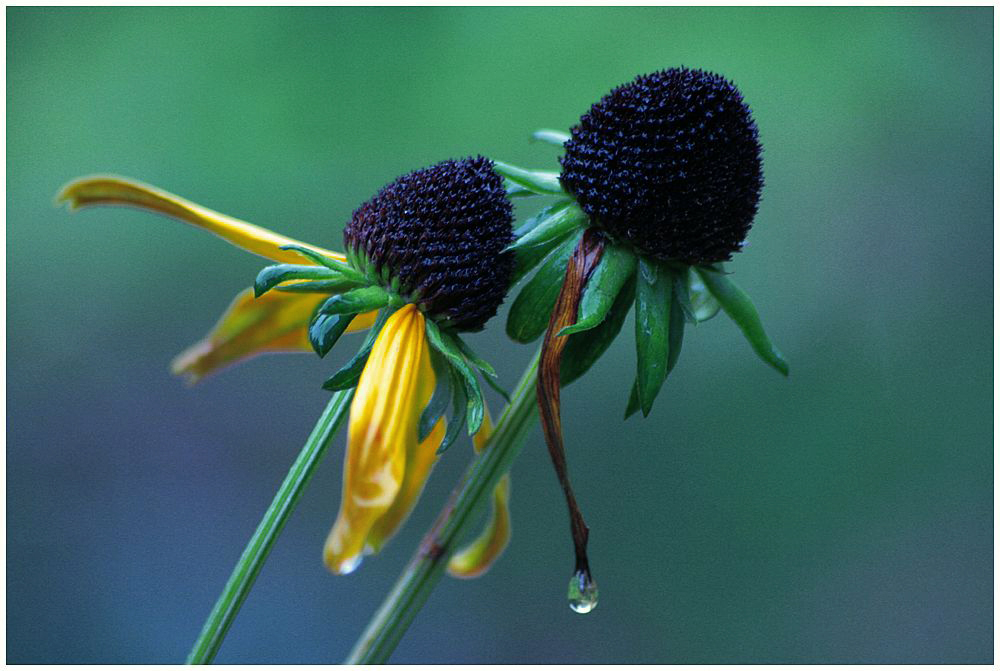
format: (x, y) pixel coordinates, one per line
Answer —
(259, 547)
(393, 618)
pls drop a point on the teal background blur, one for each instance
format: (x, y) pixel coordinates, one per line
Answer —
(841, 515)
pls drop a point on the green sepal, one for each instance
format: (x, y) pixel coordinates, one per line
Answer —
(438, 404)
(271, 276)
(676, 333)
(683, 296)
(617, 265)
(585, 348)
(633, 401)
(319, 287)
(529, 313)
(458, 413)
(325, 331)
(537, 181)
(737, 304)
(653, 299)
(364, 299)
(516, 190)
(525, 259)
(488, 373)
(445, 343)
(704, 305)
(549, 136)
(348, 376)
(557, 221)
(326, 261)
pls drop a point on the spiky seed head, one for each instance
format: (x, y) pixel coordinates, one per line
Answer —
(438, 234)
(671, 163)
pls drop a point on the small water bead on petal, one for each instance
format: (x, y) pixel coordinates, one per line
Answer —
(440, 233)
(670, 163)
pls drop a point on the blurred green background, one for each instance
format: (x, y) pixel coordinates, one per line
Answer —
(841, 515)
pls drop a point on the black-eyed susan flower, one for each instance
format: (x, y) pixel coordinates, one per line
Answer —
(660, 182)
(425, 261)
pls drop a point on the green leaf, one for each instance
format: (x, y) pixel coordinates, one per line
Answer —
(703, 303)
(585, 348)
(530, 311)
(516, 190)
(325, 330)
(486, 370)
(653, 298)
(270, 276)
(740, 308)
(458, 415)
(445, 343)
(616, 267)
(633, 401)
(348, 376)
(326, 261)
(364, 299)
(676, 333)
(536, 181)
(553, 137)
(558, 221)
(682, 295)
(319, 287)
(438, 404)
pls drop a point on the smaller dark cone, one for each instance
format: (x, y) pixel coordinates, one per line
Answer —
(440, 232)
(671, 163)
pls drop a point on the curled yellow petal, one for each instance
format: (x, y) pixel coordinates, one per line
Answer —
(276, 322)
(476, 558)
(381, 441)
(112, 190)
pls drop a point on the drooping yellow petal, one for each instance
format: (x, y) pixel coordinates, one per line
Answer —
(381, 433)
(476, 558)
(278, 321)
(112, 190)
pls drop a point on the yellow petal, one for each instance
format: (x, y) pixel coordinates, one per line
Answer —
(381, 433)
(111, 190)
(276, 322)
(476, 558)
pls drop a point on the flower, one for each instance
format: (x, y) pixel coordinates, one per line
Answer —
(425, 261)
(660, 182)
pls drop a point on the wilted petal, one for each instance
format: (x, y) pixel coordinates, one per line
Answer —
(382, 441)
(476, 558)
(275, 322)
(111, 190)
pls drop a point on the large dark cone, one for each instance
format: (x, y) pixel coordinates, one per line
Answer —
(440, 232)
(670, 163)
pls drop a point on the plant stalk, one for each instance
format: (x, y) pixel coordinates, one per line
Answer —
(259, 547)
(420, 576)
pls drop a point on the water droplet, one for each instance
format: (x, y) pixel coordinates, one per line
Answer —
(582, 592)
(349, 565)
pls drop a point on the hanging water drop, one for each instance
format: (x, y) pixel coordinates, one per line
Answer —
(582, 592)
(348, 565)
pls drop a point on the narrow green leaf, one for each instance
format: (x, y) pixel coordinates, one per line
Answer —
(704, 306)
(348, 376)
(364, 299)
(676, 333)
(319, 287)
(530, 311)
(633, 401)
(553, 137)
(585, 348)
(538, 181)
(438, 404)
(616, 267)
(516, 190)
(653, 298)
(682, 295)
(740, 308)
(458, 414)
(270, 276)
(487, 371)
(325, 330)
(332, 264)
(445, 343)
(559, 220)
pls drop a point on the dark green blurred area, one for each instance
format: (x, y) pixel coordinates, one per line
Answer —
(842, 515)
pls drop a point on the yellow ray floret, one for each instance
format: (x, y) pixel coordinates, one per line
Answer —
(476, 558)
(111, 190)
(385, 468)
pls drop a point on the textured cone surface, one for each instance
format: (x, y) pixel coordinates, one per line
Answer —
(671, 163)
(440, 231)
